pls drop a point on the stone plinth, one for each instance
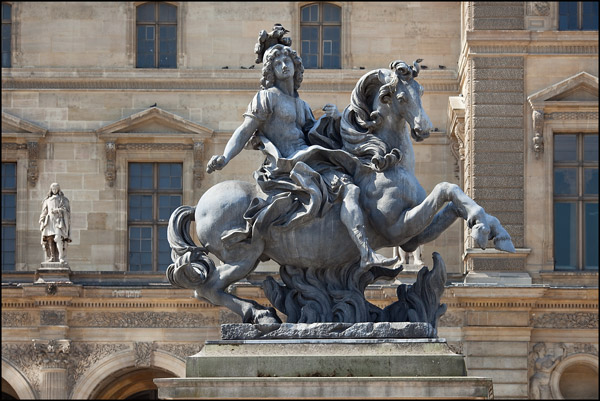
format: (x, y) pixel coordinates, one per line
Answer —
(325, 368)
(53, 272)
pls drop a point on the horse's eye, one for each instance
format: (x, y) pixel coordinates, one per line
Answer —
(401, 97)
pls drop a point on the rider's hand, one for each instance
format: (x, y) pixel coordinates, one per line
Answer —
(331, 111)
(217, 162)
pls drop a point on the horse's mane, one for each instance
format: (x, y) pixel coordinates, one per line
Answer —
(359, 120)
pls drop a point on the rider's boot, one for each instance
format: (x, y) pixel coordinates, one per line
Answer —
(368, 257)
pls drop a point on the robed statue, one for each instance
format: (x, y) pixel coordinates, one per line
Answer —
(55, 224)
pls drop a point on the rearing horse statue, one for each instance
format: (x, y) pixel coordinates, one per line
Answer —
(319, 261)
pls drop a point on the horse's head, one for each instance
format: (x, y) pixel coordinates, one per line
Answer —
(403, 97)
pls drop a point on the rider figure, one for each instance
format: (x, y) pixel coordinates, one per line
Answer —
(278, 114)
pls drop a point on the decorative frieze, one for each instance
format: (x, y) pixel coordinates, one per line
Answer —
(572, 115)
(538, 8)
(140, 319)
(154, 147)
(573, 320)
(53, 318)
(452, 319)
(17, 319)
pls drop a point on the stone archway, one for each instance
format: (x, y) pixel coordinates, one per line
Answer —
(120, 372)
(15, 384)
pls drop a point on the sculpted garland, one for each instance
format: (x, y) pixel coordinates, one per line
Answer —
(329, 194)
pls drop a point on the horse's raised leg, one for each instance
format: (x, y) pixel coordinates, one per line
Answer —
(483, 226)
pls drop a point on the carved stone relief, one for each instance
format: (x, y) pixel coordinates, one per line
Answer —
(140, 319)
(54, 353)
(538, 8)
(32, 165)
(198, 168)
(17, 319)
(538, 132)
(85, 355)
(52, 317)
(25, 358)
(577, 320)
(111, 167)
(182, 351)
(143, 353)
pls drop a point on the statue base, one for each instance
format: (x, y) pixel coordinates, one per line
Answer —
(325, 368)
(53, 272)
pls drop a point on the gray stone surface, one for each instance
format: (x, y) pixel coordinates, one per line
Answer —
(246, 331)
(55, 224)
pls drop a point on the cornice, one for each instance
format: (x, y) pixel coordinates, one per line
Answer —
(195, 80)
(520, 42)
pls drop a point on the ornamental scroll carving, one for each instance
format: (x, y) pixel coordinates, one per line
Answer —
(198, 168)
(54, 353)
(538, 133)
(111, 167)
(578, 320)
(32, 164)
(17, 319)
(85, 355)
(140, 319)
(538, 8)
(143, 353)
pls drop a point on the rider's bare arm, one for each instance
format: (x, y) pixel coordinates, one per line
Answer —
(235, 145)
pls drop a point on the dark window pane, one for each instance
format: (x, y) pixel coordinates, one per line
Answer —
(591, 236)
(590, 148)
(590, 181)
(167, 47)
(140, 248)
(565, 181)
(164, 250)
(140, 175)
(589, 16)
(567, 15)
(145, 47)
(310, 13)
(565, 148)
(145, 13)
(167, 13)
(9, 175)
(6, 45)
(9, 208)
(8, 248)
(6, 11)
(140, 207)
(331, 13)
(166, 205)
(169, 176)
(565, 236)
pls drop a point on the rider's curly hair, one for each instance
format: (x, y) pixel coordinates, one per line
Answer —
(268, 75)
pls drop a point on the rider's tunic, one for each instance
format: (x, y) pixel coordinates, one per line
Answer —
(302, 185)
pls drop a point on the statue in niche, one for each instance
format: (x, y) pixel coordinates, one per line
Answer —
(544, 363)
(55, 224)
(328, 195)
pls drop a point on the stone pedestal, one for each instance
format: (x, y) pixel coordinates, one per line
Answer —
(325, 368)
(53, 272)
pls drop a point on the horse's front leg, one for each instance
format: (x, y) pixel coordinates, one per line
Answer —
(483, 226)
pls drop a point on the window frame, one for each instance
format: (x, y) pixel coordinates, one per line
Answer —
(580, 199)
(579, 17)
(11, 25)
(321, 24)
(11, 222)
(179, 54)
(155, 223)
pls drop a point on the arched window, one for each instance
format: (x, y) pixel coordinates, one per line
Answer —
(156, 34)
(6, 34)
(321, 32)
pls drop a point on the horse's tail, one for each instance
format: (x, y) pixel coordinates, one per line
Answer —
(191, 264)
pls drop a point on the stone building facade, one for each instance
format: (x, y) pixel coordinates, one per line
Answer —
(81, 107)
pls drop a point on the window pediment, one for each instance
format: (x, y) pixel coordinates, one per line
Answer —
(153, 122)
(578, 90)
(16, 127)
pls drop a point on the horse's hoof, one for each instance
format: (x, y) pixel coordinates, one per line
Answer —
(480, 234)
(504, 244)
(267, 316)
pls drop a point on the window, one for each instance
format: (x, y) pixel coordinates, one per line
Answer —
(156, 25)
(155, 190)
(578, 16)
(576, 201)
(6, 34)
(9, 215)
(321, 31)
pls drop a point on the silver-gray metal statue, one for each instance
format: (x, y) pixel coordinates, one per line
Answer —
(329, 194)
